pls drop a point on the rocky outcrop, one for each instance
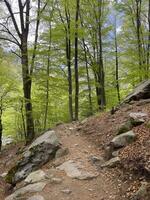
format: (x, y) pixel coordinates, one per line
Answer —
(38, 153)
(142, 91)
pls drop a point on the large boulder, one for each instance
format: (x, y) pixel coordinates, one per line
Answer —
(123, 139)
(142, 91)
(38, 153)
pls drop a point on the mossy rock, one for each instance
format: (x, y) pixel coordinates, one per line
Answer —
(125, 127)
(11, 174)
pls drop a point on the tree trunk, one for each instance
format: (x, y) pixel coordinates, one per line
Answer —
(27, 82)
(117, 61)
(68, 56)
(101, 75)
(76, 62)
(47, 81)
(88, 80)
(138, 26)
(148, 47)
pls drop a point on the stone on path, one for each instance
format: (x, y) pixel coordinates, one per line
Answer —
(36, 176)
(31, 188)
(66, 191)
(72, 170)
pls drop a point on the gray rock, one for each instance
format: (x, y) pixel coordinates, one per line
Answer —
(61, 152)
(97, 161)
(142, 91)
(36, 197)
(38, 153)
(127, 126)
(143, 193)
(66, 191)
(56, 180)
(36, 176)
(138, 118)
(72, 170)
(115, 154)
(108, 152)
(123, 139)
(6, 140)
(112, 162)
(36, 187)
(3, 175)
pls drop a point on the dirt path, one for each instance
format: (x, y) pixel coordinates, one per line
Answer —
(106, 186)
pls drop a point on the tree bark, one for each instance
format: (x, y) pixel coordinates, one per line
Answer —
(27, 83)
(117, 60)
(47, 81)
(101, 75)
(76, 61)
(148, 47)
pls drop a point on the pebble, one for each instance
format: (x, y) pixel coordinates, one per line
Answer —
(66, 191)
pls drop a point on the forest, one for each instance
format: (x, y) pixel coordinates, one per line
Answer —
(65, 60)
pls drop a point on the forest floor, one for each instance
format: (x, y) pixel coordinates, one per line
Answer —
(84, 141)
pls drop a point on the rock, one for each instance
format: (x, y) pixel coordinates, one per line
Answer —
(36, 176)
(112, 162)
(96, 160)
(123, 139)
(35, 187)
(56, 180)
(125, 127)
(36, 197)
(108, 152)
(115, 154)
(61, 152)
(138, 118)
(66, 191)
(38, 153)
(142, 91)
(6, 140)
(73, 171)
(143, 193)
(3, 175)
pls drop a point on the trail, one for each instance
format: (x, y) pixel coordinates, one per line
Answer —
(104, 187)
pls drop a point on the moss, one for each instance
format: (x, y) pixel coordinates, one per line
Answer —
(125, 127)
(11, 174)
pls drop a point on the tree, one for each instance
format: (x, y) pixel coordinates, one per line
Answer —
(21, 40)
(76, 61)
